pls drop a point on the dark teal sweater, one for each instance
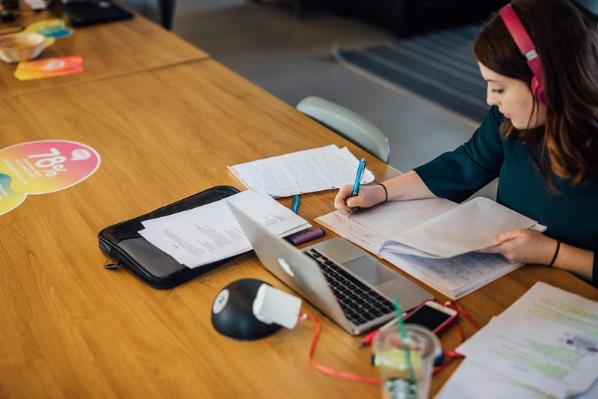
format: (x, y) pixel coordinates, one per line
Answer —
(570, 213)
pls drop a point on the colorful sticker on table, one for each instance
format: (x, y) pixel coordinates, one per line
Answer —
(56, 32)
(36, 26)
(9, 199)
(45, 166)
(54, 28)
(49, 67)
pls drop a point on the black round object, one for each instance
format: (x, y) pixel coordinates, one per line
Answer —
(232, 311)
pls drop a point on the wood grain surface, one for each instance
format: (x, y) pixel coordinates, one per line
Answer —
(71, 329)
(108, 50)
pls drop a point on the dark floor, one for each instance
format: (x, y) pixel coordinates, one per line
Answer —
(291, 58)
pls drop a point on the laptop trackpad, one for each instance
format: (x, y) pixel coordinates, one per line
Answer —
(370, 270)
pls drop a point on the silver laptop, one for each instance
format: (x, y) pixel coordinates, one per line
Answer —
(340, 279)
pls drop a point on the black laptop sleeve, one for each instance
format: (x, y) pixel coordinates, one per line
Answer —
(122, 243)
(92, 12)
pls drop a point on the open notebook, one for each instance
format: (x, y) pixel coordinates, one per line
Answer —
(435, 240)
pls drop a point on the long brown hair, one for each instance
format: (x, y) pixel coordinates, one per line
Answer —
(567, 42)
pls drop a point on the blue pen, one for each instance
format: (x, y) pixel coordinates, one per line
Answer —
(357, 183)
(295, 205)
(358, 177)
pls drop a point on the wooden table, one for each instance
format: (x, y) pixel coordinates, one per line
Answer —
(72, 329)
(108, 50)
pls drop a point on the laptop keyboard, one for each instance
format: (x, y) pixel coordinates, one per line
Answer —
(359, 302)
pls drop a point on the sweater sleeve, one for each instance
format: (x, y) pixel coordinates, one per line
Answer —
(458, 174)
(595, 270)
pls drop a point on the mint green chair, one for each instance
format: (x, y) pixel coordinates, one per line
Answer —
(347, 124)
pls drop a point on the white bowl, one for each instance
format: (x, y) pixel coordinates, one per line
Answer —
(21, 46)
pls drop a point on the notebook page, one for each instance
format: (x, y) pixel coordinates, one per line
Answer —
(454, 277)
(468, 227)
(370, 228)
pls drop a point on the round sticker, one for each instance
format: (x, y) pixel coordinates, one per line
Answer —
(9, 199)
(45, 166)
(220, 301)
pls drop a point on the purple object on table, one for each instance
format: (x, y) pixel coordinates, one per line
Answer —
(305, 235)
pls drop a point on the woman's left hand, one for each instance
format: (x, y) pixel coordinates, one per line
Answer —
(524, 245)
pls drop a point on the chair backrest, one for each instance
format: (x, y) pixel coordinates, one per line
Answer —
(347, 124)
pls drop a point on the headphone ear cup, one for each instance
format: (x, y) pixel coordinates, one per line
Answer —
(538, 90)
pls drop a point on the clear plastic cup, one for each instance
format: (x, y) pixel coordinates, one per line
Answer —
(399, 381)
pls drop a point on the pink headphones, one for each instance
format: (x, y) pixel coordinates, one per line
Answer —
(527, 48)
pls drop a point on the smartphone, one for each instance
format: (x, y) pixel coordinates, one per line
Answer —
(432, 315)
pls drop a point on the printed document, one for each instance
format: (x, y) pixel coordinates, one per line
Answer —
(546, 340)
(307, 171)
(473, 380)
(434, 224)
(210, 232)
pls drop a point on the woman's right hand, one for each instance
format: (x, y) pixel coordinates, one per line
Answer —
(368, 197)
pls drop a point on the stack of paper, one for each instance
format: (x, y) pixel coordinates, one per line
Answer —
(318, 169)
(438, 228)
(545, 345)
(474, 380)
(468, 227)
(209, 233)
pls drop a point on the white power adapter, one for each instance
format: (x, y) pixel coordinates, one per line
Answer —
(275, 306)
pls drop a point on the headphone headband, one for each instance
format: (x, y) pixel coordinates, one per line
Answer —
(526, 46)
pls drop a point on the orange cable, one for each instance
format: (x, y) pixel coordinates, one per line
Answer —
(328, 370)
(449, 355)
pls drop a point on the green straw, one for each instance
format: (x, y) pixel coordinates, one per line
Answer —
(403, 334)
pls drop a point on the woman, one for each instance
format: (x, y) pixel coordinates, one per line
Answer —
(542, 145)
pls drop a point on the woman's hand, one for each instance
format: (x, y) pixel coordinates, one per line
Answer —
(525, 245)
(368, 196)
(403, 187)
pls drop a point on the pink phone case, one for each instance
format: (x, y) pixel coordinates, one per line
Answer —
(441, 327)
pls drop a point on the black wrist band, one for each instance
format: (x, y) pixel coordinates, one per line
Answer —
(385, 192)
(556, 254)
